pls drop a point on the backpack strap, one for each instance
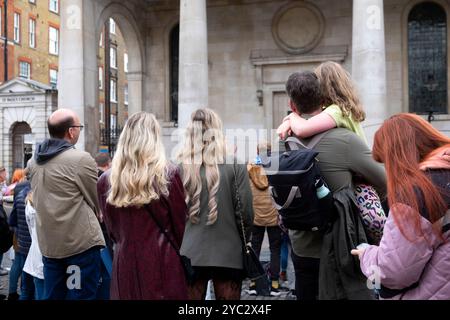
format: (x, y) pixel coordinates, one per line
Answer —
(294, 193)
(446, 222)
(295, 143)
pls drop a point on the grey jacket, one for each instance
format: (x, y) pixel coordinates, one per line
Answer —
(64, 186)
(342, 154)
(219, 245)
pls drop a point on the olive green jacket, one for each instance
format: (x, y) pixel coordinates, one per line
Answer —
(220, 245)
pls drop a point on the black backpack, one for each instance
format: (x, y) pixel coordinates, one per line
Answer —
(6, 235)
(294, 178)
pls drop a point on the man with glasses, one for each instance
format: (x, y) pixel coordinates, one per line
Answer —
(64, 185)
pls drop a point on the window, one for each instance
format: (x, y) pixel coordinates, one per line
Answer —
(101, 111)
(1, 23)
(54, 6)
(125, 94)
(174, 56)
(125, 62)
(16, 27)
(113, 90)
(112, 26)
(54, 77)
(113, 123)
(24, 70)
(100, 78)
(32, 33)
(113, 56)
(53, 41)
(427, 58)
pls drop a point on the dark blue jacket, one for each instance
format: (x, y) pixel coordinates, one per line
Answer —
(18, 219)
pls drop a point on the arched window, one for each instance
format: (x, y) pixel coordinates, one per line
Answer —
(427, 58)
(174, 58)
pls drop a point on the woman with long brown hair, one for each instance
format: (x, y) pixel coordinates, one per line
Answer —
(413, 259)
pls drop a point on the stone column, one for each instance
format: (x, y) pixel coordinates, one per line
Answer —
(134, 92)
(369, 62)
(77, 83)
(193, 69)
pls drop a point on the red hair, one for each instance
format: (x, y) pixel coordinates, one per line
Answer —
(18, 175)
(402, 143)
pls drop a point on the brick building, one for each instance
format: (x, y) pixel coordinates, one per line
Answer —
(33, 40)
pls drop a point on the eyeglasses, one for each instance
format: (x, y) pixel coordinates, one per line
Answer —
(81, 127)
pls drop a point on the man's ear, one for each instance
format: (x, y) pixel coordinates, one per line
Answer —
(293, 106)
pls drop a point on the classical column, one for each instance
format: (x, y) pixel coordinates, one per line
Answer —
(369, 62)
(77, 83)
(193, 69)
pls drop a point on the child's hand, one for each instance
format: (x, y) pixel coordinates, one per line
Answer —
(284, 130)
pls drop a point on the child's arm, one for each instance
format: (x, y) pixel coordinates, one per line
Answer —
(284, 129)
(303, 128)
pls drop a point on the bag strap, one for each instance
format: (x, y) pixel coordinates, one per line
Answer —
(294, 193)
(446, 222)
(163, 231)
(295, 143)
(239, 209)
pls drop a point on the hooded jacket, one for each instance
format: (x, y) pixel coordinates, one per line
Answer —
(64, 185)
(418, 268)
(265, 213)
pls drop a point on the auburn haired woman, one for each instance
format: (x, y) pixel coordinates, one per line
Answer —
(213, 239)
(141, 193)
(413, 259)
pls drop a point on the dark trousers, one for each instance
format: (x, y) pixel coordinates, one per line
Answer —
(274, 234)
(73, 278)
(306, 277)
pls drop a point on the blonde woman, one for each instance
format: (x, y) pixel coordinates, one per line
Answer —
(142, 200)
(212, 239)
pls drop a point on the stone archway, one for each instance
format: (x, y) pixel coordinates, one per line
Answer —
(21, 151)
(135, 46)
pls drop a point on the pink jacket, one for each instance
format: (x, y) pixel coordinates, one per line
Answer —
(402, 263)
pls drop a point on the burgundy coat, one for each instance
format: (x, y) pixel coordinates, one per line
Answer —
(145, 266)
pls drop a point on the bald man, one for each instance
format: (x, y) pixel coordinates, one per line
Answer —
(63, 181)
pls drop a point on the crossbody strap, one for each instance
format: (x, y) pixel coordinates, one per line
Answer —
(239, 207)
(163, 231)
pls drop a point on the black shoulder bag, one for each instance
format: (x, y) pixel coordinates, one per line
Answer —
(185, 261)
(252, 266)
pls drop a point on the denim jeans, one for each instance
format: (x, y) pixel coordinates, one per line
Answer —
(306, 277)
(39, 288)
(105, 275)
(274, 234)
(16, 271)
(73, 278)
(285, 243)
(27, 289)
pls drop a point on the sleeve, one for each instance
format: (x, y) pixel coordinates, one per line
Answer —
(336, 113)
(102, 187)
(177, 208)
(246, 197)
(362, 163)
(398, 262)
(13, 216)
(86, 180)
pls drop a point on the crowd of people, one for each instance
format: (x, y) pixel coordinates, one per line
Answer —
(140, 226)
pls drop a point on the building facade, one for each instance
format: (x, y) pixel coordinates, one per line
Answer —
(33, 28)
(235, 56)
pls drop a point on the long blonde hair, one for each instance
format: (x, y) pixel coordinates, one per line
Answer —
(139, 168)
(337, 88)
(204, 145)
